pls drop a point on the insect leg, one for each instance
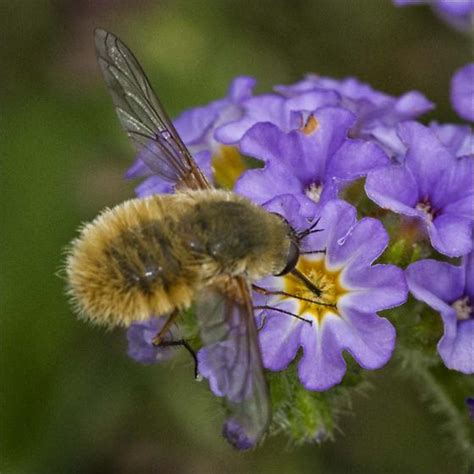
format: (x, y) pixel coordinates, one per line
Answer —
(308, 252)
(309, 284)
(266, 292)
(274, 308)
(158, 339)
(310, 230)
(183, 343)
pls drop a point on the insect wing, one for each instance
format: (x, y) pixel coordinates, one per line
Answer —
(231, 361)
(142, 116)
(230, 358)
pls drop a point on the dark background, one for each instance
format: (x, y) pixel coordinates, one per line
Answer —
(71, 400)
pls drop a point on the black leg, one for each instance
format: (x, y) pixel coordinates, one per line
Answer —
(274, 308)
(183, 343)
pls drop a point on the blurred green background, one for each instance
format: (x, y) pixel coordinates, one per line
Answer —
(71, 400)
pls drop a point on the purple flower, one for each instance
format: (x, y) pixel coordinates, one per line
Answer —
(140, 347)
(376, 112)
(196, 127)
(342, 317)
(462, 92)
(458, 13)
(311, 164)
(286, 113)
(459, 139)
(432, 186)
(450, 291)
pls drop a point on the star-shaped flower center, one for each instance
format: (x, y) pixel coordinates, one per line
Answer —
(313, 191)
(325, 280)
(426, 208)
(463, 308)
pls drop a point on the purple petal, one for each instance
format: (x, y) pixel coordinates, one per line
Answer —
(462, 92)
(439, 284)
(454, 192)
(402, 3)
(459, 7)
(356, 158)
(280, 338)
(237, 436)
(241, 88)
(435, 282)
(140, 347)
(411, 105)
(153, 185)
(357, 245)
(393, 188)
(459, 139)
(427, 157)
(137, 170)
(310, 101)
(373, 288)
(388, 138)
(194, 123)
(265, 108)
(337, 218)
(456, 347)
(468, 266)
(369, 338)
(289, 207)
(451, 235)
(266, 142)
(213, 363)
(322, 365)
(262, 185)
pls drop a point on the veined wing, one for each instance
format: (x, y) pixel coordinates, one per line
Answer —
(232, 362)
(142, 116)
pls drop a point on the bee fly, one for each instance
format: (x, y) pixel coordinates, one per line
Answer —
(159, 254)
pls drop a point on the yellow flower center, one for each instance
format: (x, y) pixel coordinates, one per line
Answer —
(228, 166)
(325, 280)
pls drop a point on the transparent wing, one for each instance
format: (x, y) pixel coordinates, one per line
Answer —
(231, 361)
(142, 116)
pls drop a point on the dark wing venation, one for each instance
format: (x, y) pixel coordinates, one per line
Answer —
(231, 361)
(143, 117)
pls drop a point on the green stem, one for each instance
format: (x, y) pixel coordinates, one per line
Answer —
(456, 421)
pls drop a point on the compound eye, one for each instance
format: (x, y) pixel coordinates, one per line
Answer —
(292, 259)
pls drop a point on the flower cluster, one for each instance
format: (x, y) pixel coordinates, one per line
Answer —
(313, 145)
(314, 139)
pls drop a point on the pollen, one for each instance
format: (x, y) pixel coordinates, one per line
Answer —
(463, 309)
(314, 191)
(425, 208)
(310, 126)
(326, 281)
